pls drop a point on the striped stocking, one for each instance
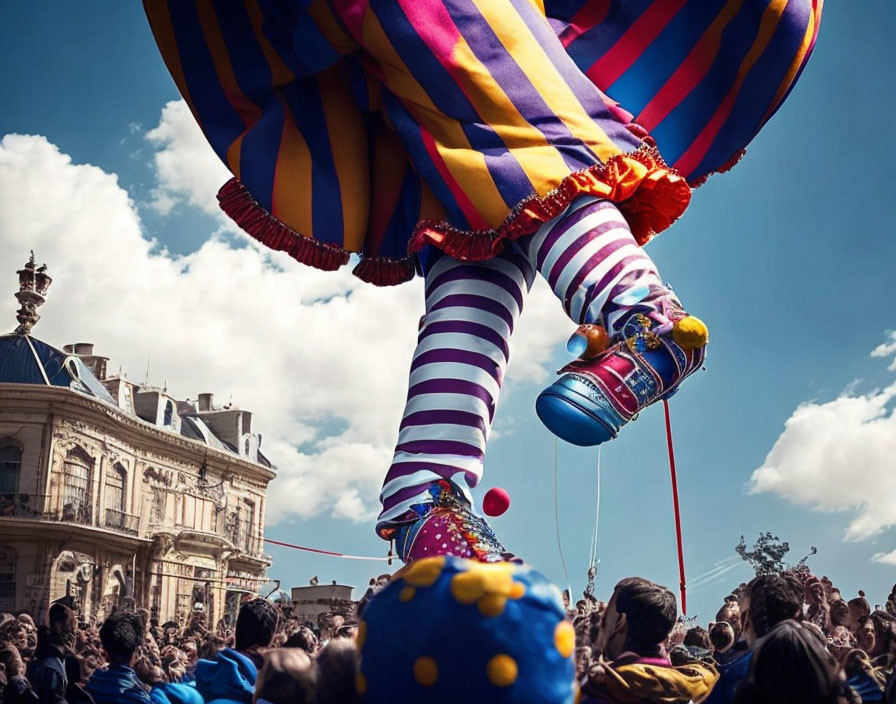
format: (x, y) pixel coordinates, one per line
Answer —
(592, 263)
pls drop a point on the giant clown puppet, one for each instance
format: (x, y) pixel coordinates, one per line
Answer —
(479, 144)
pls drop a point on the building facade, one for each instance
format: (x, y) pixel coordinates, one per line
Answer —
(112, 491)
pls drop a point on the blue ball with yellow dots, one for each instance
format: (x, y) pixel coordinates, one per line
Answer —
(453, 630)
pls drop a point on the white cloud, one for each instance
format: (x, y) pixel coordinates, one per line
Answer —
(839, 456)
(320, 358)
(886, 349)
(884, 558)
(187, 170)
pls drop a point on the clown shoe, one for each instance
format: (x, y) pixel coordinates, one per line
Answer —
(595, 396)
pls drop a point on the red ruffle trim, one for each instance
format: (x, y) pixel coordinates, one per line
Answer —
(649, 193)
(236, 200)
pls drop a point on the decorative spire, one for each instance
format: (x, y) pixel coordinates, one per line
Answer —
(33, 285)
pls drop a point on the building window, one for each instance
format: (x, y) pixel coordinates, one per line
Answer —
(10, 464)
(169, 413)
(7, 579)
(116, 478)
(76, 486)
(249, 541)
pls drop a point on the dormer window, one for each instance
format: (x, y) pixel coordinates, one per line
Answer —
(169, 414)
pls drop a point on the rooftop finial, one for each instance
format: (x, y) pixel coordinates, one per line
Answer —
(33, 285)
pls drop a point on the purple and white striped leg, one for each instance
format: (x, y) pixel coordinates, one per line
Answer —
(455, 380)
(594, 266)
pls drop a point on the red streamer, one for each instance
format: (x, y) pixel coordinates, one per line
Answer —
(682, 582)
(323, 552)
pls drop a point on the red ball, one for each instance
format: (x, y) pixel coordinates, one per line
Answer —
(496, 501)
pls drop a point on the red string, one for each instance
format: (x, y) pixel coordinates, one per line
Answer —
(682, 582)
(322, 552)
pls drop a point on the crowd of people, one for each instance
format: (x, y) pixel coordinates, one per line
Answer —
(782, 638)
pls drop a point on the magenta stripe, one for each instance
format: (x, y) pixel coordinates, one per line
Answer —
(574, 248)
(444, 417)
(454, 386)
(478, 274)
(471, 359)
(441, 447)
(466, 328)
(476, 303)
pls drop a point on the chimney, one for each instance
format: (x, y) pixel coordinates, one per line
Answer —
(206, 402)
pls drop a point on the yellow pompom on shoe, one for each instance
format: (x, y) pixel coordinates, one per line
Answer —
(690, 333)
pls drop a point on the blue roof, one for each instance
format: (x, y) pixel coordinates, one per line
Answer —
(27, 360)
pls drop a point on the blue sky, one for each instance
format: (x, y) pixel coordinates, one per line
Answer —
(788, 258)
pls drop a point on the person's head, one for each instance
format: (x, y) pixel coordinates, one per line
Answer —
(639, 617)
(337, 672)
(721, 636)
(859, 608)
(288, 676)
(730, 613)
(865, 635)
(63, 622)
(773, 598)
(12, 661)
(815, 592)
(790, 665)
(698, 637)
(121, 634)
(839, 612)
(256, 624)
(884, 633)
(304, 639)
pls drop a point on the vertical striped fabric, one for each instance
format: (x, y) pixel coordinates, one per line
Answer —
(384, 126)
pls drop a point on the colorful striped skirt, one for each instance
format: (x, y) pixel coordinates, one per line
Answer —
(383, 127)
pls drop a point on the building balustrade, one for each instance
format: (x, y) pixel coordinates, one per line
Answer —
(41, 507)
(121, 521)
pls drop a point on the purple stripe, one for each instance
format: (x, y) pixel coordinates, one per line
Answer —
(593, 261)
(477, 303)
(601, 286)
(590, 98)
(454, 386)
(441, 447)
(570, 251)
(411, 492)
(562, 227)
(445, 417)
(472, 359)
(525, 97)
(478, 274)
(404, 469)
(466, 328)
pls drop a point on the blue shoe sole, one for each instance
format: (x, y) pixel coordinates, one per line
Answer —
(569, 415)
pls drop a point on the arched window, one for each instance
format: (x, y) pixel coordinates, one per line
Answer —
(169, 413)
(10, 465)
(76, 486)
(116, 480)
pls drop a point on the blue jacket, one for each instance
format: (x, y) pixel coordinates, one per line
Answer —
(175, 693)
(118, 684)
(228, 680)
(732, 674)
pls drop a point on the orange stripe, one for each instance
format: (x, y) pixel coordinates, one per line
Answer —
(348, 145)
(291, 197)
(248, 111)
(163, 30)
(695, 153)
(280, 74)
(808, 38)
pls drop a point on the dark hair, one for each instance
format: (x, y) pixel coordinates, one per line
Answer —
(698, 637)
(303, 638)
(60, 613)
(121, 634)
(774, 598)
(790, 665)
(650, 612)
(256, 624)
(288, 676)
(721, 635)
(337, 668)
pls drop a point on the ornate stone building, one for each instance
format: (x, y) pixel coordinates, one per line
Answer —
(110, 490)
